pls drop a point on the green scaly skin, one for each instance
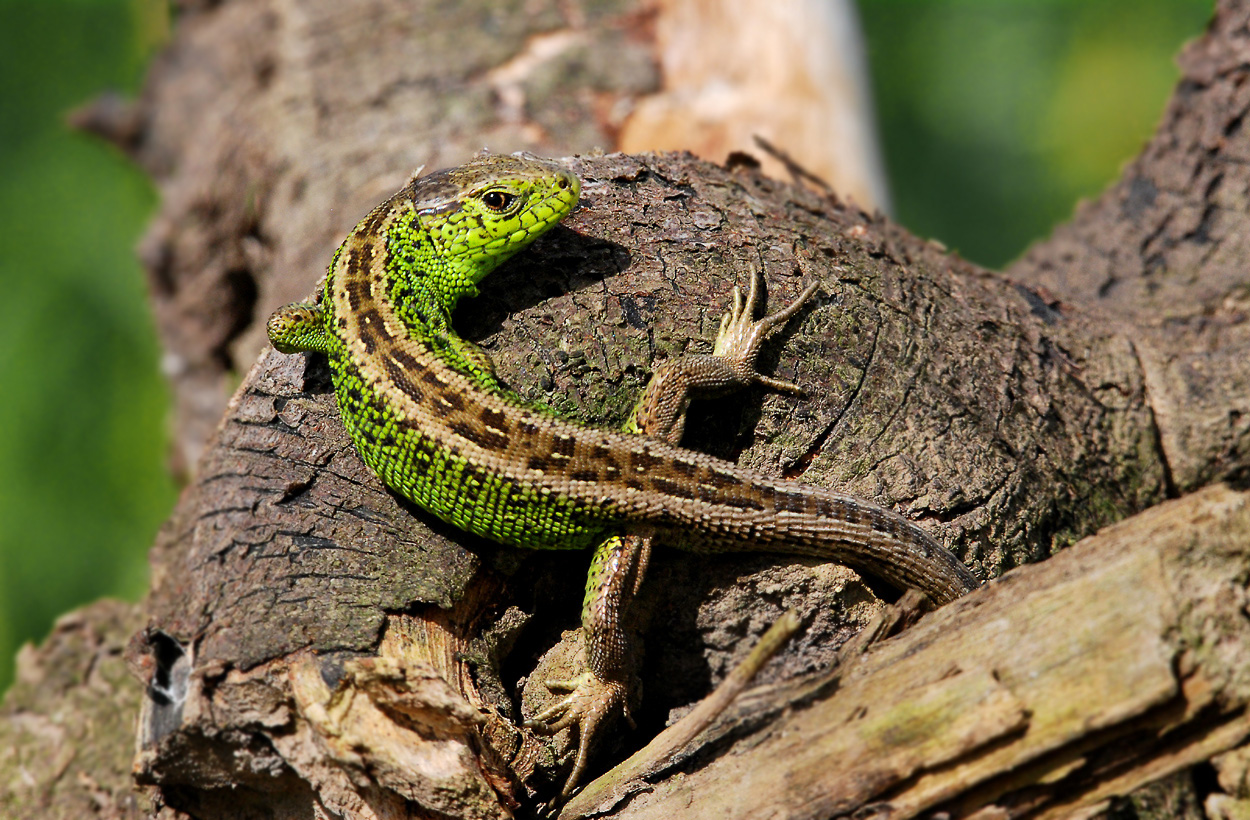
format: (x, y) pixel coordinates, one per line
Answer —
(429, 416)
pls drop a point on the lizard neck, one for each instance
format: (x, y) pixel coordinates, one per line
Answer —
(396, 353)
(392, 297)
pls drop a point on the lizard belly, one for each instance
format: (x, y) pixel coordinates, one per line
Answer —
(444, 482)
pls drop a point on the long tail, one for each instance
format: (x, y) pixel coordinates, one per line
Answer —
(802, 519)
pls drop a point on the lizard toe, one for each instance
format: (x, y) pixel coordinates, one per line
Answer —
(592, 705)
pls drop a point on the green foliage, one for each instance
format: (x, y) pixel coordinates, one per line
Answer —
(997, 116)
(83, 485)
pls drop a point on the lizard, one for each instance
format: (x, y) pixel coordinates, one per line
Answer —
(427, 413)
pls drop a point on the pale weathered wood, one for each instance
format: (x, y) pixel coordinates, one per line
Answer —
(1056, 687)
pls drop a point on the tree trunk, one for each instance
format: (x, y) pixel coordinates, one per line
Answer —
(316, 647)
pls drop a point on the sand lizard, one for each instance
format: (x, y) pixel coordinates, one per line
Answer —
(429, 416)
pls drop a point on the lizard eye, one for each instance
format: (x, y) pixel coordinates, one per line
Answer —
(498, 201)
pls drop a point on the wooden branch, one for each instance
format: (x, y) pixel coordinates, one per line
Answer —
(314, 645)
(1058, 686)
(1163, 251)
(283, 513)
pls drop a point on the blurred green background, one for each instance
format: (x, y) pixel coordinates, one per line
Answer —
(996, 117)
(83, 484)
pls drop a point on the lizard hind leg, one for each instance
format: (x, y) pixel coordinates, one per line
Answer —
(741, 335)
(297, 327)
(607, 683)
(607, 686)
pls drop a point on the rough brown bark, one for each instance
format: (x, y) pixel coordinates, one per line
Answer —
(67, 724)
(314, 644)
(1164, 251)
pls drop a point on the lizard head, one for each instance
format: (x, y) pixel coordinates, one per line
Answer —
(483, 212)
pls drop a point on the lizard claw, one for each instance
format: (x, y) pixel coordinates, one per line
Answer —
(741, 335)
(592, 703)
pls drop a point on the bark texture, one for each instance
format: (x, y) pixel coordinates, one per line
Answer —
(271, 126)
(315, 647)
(1012, 700)
(1164, 251)
(67, 724)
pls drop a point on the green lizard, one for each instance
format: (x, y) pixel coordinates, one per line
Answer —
(429, 416)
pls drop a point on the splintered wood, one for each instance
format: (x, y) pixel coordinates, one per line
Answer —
(1055, 688)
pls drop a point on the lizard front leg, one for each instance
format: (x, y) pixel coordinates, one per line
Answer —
(602, 691)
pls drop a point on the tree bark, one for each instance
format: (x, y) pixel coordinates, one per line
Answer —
(315, 645)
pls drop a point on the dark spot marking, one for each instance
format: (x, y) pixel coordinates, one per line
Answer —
(370, 224)
(494, 418)
(684, 468)
(482, 438)
(453, 400)
(357, 287)
(406, 360)
(635, 484)
(400, 378)
(584, 475)
(642, 461)
(850, 513)
(358, 265)
(527, 428)
(465, 431)
(371, 330)
(791, 502)
(721, 481)
(563, 445)
(670, 487)
(880, 523)
(539, 463)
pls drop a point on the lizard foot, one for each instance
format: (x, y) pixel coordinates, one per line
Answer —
(591, 705)
(740, 334)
